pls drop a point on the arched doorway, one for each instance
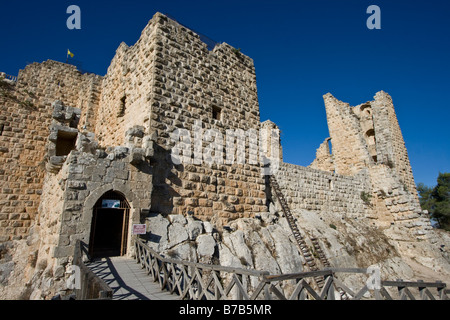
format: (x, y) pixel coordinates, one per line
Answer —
(109, 228)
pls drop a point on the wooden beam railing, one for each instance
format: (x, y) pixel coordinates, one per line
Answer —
(197, 281)
(91, 287)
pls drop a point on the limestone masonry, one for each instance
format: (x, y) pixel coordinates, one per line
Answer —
(85, 157)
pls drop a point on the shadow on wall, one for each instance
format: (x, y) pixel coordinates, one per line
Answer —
(164, 170)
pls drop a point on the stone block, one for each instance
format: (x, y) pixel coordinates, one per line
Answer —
(63, 251)
(122, 174)
(137, 156)
(177, 234)
(77, 185)
(194, 228)
(206, 245)
(176, 218)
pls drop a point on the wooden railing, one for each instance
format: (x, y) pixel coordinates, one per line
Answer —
(333, 287)
(196, 281)
(91, 287)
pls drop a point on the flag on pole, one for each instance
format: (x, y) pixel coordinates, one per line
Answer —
(69, 53)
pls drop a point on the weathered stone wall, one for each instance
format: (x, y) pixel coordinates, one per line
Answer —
(363, 136)
(51, 80)
(22, 141)
(170, 78)
(350, 153)
(395, 207)
(318, 191)
(73, 184)
(126, 88)
(25, 117)
(191, 84)
(324, 159)
(86, 172)
(390, 144)
(368, 136)
(86, 178)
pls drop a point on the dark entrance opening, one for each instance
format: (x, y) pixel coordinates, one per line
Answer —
(65, 142)
(216, 113)
(109, 229)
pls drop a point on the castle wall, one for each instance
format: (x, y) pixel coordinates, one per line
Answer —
(25, 117)
(324, 158)
(364, 136)
(51, 80)
(86, 173)
(316, 190)
(126, 90)
(369, 136)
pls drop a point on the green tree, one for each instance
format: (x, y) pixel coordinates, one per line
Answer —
(437, 200)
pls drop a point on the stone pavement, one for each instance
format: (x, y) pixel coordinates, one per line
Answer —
(128, 280)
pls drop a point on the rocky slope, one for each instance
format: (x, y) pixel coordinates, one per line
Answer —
(266, 243)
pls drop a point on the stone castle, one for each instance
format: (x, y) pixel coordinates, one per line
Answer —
(76, 145)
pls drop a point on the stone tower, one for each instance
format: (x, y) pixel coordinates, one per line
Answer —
(368, 137)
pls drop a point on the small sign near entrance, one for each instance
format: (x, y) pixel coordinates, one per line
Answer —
(139, 229)
(110, 204)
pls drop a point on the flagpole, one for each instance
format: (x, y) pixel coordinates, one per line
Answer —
(67, 58)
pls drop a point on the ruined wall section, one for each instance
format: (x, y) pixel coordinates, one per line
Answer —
(394, 206)
(270, 141)
(368, 135)
(324, 159)
(218, 90)
(318, 191)
(128, 88)
(391, 149)
(25, 117)
(51, 80)
(350, 152)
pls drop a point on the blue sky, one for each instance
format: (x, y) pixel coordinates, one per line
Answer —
(302, 50)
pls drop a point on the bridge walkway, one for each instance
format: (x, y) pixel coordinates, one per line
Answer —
(128, 280)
